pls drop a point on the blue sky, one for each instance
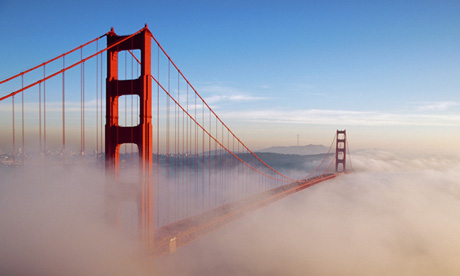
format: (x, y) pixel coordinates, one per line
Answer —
(387, 71)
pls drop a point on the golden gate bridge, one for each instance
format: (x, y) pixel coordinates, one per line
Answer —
(164, 150)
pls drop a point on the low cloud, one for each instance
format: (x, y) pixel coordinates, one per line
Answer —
(395, 215)
(52, 223)
(230, 98)
(436, 106)
(222, 93)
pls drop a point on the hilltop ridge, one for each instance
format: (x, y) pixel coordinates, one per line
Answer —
(299, 150)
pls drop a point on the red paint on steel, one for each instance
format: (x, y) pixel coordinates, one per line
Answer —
(65, 68)
(115, 135)
(341, 151)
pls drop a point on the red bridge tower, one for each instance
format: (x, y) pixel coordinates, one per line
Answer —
(140, 192)
(341, 151)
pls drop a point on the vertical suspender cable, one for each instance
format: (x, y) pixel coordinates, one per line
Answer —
(83, 111)
(195, 167)
(97, 101)
(178, 150)
(228, 167)
(14, 138)
(22, 102)
(63, 110)
(81, 103)
(238, 173)
(175, 162)
(216, 168)
(100, 110)
(210, 186)
(233, 170)
(184, 160)
(212, 182)
(44, 110)
(40, 117)
(167, 147)
(187, 165)
(203, 165)
(158, 139)
(349, 155)
(221, 164)
(132, 107)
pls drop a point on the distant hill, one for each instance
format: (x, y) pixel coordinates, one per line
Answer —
(293, 165)
(300, 150)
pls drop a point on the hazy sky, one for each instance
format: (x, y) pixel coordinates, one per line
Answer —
(387, 71)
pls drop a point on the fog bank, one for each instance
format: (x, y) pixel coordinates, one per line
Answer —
(52, 223)
(395, 215)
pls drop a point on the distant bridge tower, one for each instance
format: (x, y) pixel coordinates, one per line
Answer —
(341, 151)
(141, 192)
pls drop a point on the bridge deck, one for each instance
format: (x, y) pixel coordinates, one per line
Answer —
(180, 233)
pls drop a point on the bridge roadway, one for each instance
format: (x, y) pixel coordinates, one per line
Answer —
(180, 233)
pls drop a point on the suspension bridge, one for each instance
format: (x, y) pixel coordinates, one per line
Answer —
(173, 169)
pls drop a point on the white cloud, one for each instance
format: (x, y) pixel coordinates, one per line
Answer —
(230, 98)
(225, 94)
(218, 89)
(436, 106)
(344, 117)
(222, 93)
